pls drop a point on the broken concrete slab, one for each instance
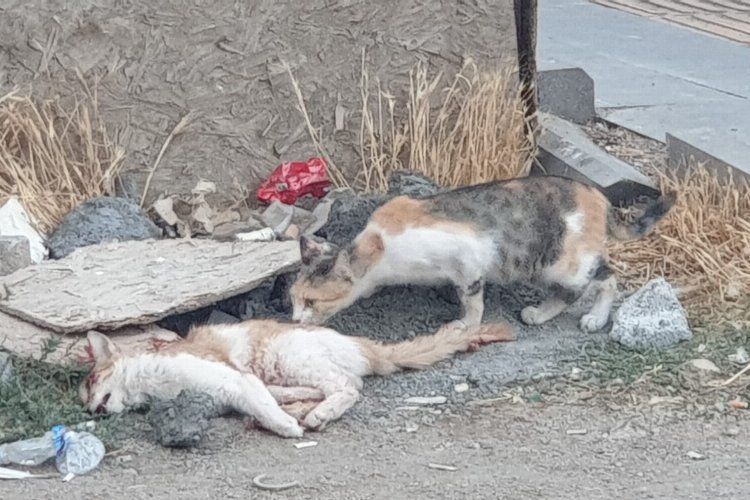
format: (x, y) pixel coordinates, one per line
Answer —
(279, 216)
(682, 153)
(567, 93)
(565, 150)
(112, 285)
(15, 254)
(27, 340)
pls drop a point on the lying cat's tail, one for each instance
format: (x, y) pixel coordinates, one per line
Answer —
(620, 228)
(426, 350)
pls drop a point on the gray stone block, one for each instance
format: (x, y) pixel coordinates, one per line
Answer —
(565, 150)
(182, 422)
(100, 220)
(15, 254)
(681, 153)
(567, 93)
(651, 318)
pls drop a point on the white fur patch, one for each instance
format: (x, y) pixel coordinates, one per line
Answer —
(574, 222)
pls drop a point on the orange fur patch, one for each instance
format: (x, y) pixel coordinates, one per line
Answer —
(403, 212)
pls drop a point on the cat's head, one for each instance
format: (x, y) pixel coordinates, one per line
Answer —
(102, 391)
(326, 281)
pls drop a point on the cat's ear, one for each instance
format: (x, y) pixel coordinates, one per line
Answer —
(102, 348)
(312, 249)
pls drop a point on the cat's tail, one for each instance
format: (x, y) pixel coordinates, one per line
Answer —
(426, 350)
(620, 227)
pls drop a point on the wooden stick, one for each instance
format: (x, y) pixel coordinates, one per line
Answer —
(737, 375)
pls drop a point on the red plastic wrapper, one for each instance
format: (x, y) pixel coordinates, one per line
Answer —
(291, 181)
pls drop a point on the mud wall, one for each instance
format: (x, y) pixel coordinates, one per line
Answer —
(223, 59)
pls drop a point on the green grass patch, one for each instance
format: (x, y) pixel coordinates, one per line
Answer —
(41, 395)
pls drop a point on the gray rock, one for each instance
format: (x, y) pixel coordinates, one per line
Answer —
(219, 317)
(651, 318)
(6, 368)
(182, 422)
(411, 183)
(100, 220)
(228, 231)
(15, 254)
(279, 216)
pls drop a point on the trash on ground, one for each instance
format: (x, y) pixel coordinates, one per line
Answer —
(74, 452)
(462, 387)
(6, 473)
(293, 180)
(449, 468)
(266, 234)
(259, 482)
(738, 404)
(740, 357)
(15, 221)
(306, 444)
(426, 401)
(695, 455)
(576, 432)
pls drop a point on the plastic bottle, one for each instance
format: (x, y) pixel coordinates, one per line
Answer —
(76, 452)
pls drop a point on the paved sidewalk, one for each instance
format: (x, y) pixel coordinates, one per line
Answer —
(654, 77)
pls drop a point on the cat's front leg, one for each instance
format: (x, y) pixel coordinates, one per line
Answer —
(253, 398)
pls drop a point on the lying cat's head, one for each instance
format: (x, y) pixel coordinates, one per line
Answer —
(325, 283)
(102, 391)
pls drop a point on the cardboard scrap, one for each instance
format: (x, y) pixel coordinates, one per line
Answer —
(111, 285)
(30, 341)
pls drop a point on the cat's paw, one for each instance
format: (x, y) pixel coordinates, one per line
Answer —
(289, 428)
(592, 323)
(531, 316)
(314, 421)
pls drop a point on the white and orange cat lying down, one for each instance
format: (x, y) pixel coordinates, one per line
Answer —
(274, 372)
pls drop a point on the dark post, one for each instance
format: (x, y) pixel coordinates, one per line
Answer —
(525, 14)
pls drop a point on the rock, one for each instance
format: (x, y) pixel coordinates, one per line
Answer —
(567, 93)
(426, 401)
(463, 387)
(411, 183)
(740, 357)
(182, 422)
(280, 216)
(219, 317)
(15, 254)
(695, 455)
(319, 216)
(704, 365)
(6, 368)
(651, 318)
(100, 220)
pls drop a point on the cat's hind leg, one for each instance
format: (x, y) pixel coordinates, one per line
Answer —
(341, 390)
(286, 394)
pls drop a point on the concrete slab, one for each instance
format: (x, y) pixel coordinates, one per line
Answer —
(567, 93)
(567, 151)
(655, 78)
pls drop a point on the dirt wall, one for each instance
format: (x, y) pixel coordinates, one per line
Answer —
(223, 59)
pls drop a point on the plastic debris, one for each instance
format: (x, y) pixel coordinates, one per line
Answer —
(15, 221)
(74, 452)
(293, 180)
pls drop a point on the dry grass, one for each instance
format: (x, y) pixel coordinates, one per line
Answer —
(53, 156)
(702, 247)
(472, 129)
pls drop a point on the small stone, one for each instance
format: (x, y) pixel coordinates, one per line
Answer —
(219, 317)
(576, 432)
(651, 318)
(426, 401)
(704, 365)
(576, 373)
(15, 254)
(731, 431)
(279, 216)
(411, 427)
(463, 387)
(695, 455)
(6, 368)
(319, 216)
(182, 422)
(305, 444)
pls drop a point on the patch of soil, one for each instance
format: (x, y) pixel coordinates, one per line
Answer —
(597, 450)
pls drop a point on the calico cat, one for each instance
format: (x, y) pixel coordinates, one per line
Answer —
(546, 231)
(275, 372)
